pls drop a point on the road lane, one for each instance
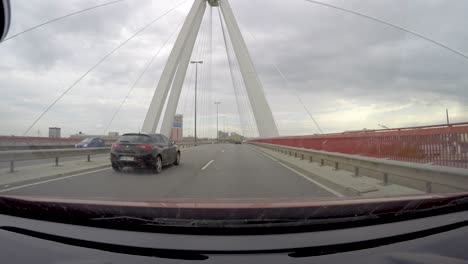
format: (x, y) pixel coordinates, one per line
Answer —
(242, 172)
(233, 171)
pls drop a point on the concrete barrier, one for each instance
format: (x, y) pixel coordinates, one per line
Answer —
(424, 177)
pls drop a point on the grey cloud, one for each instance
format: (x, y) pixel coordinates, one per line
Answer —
(337, 62)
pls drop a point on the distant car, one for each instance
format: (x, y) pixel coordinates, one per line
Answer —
(91, 143)
(238, 142)
(152, 151)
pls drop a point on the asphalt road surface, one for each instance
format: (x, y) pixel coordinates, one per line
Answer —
(222, 171)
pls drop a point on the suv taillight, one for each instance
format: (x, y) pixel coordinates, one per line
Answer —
(115, 145)
(145, 147)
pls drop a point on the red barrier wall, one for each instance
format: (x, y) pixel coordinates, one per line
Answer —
(445, 145)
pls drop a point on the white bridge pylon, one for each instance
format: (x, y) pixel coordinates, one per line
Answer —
(174, 73)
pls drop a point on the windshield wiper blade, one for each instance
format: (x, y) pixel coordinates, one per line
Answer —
(194, 222)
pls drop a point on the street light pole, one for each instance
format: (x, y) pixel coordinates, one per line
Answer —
(446, 112)
(217, 121)
(196, 83)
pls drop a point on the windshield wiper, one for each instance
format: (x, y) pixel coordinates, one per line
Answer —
(230, 223)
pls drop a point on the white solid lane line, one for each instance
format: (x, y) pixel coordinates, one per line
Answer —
(56, 179)
(301, 174)
(311, 180)
(259, 152)
(208, 164)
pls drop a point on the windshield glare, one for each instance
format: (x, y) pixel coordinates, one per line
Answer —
(266, 101)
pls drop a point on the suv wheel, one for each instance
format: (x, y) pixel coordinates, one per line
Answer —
(177, 160)
(116, 167)
(157, 168)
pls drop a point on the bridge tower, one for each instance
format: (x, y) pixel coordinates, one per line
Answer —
(173, 75)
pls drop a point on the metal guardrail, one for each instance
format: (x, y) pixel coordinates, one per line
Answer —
(22, 155)
(391, 171)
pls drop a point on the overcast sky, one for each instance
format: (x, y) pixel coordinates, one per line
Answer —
(350, 72)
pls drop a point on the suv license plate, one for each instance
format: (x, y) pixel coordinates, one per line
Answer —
(127, 158)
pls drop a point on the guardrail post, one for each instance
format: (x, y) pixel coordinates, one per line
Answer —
(429, 187)
(336, 166)
(89, 158)
(302, 157)
(322, 162)
(311, 159)
(385, 179)
(295, 154)
(12, 166)
(356, 172)
(56, 161)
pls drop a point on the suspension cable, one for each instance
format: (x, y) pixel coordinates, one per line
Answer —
(247, 116)
(62, 17)
(231, 68)
(148, 64)
(275, 66)
(210, 67)
(186, 95)
(201, 81)
(440, 44)
(188, 109)
(99, 62)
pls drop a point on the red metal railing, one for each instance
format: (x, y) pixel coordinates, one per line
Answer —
(445, 145)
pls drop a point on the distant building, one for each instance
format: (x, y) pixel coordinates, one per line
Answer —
(177, 132)
(223, 135)
(113, 134)
(55, 132)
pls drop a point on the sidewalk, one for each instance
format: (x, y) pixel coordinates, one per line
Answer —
(341, 181)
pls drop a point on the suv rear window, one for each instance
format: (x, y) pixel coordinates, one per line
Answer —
(134, 139)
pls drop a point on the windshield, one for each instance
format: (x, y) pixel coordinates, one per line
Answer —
(263, 102)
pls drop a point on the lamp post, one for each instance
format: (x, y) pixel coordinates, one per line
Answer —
(448, 120)
(196, 83)
(217, 121)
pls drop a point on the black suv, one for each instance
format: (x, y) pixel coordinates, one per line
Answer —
(151, 151)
